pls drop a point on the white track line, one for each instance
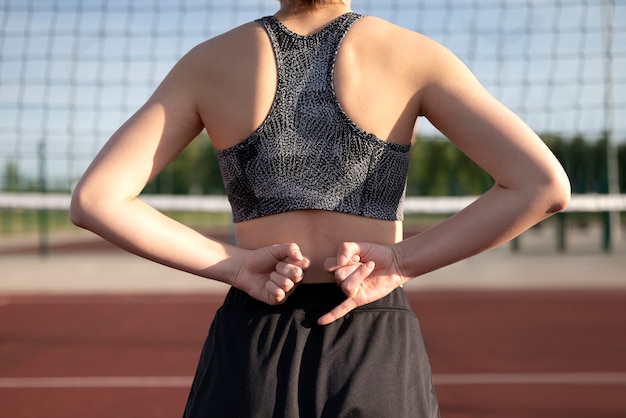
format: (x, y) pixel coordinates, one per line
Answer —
(590, 378)
(584, 378)
(95, 382)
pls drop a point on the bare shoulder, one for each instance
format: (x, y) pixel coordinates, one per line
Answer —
(380, 27)
(227, 47)
(417, 54)
(392, 39)
(229, 79)
(209, 69)
(412, 59)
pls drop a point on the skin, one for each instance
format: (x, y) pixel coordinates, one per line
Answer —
(226, 85)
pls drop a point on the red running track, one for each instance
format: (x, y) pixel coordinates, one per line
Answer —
(541, 354)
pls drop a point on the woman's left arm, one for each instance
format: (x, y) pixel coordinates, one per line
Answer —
(530, 185)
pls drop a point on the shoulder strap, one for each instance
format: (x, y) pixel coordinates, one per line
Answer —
(306, 56)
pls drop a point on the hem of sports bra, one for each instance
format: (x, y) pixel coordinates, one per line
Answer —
(398, 217)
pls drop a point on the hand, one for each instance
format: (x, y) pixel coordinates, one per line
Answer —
(365, 272)
(270, 274)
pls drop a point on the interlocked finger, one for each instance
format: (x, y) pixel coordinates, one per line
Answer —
(289, 270)
(352, 283)
(282, 282)
(343, 273)
(275, 293)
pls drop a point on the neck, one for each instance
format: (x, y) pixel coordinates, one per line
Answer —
(296, 8)
(306, 22)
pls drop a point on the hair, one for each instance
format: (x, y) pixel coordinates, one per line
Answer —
(307, 3)
(304, 2)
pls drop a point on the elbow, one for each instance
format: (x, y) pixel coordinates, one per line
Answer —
(93, 205)
(77, 209)
(81, 208)
(559, 201)
(557, 193)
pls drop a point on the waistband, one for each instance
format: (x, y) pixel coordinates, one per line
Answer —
(315, 298)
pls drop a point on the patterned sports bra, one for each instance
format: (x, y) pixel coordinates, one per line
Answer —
(308, 154)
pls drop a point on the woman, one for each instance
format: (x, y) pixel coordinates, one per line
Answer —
(312, 112)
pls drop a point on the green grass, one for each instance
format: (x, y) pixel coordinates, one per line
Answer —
(20, 222)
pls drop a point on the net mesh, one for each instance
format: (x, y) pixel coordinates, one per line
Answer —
(71, 71)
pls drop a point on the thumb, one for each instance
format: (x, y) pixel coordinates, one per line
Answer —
(348, 253)
(290, 252)
(283, 251)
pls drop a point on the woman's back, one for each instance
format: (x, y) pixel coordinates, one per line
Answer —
(379, 98)
(239, 74)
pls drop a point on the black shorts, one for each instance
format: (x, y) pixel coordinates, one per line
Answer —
(275, 361)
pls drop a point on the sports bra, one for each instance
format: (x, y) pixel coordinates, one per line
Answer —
(308, 154)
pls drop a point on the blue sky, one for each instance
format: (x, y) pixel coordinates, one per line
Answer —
(71, 71)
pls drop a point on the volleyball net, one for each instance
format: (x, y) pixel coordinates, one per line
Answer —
(71, 71)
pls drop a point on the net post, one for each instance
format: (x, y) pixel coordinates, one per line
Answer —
(42, 213)
(561, 233)
(515, 244)
(611, 220)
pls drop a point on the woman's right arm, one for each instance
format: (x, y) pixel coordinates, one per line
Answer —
(105, 201)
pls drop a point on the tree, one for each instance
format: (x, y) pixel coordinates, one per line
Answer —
(194, 171)
(11, 177)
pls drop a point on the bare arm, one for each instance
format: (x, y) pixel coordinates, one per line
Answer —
(106, 201)
(530, 183)
(530, 186)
